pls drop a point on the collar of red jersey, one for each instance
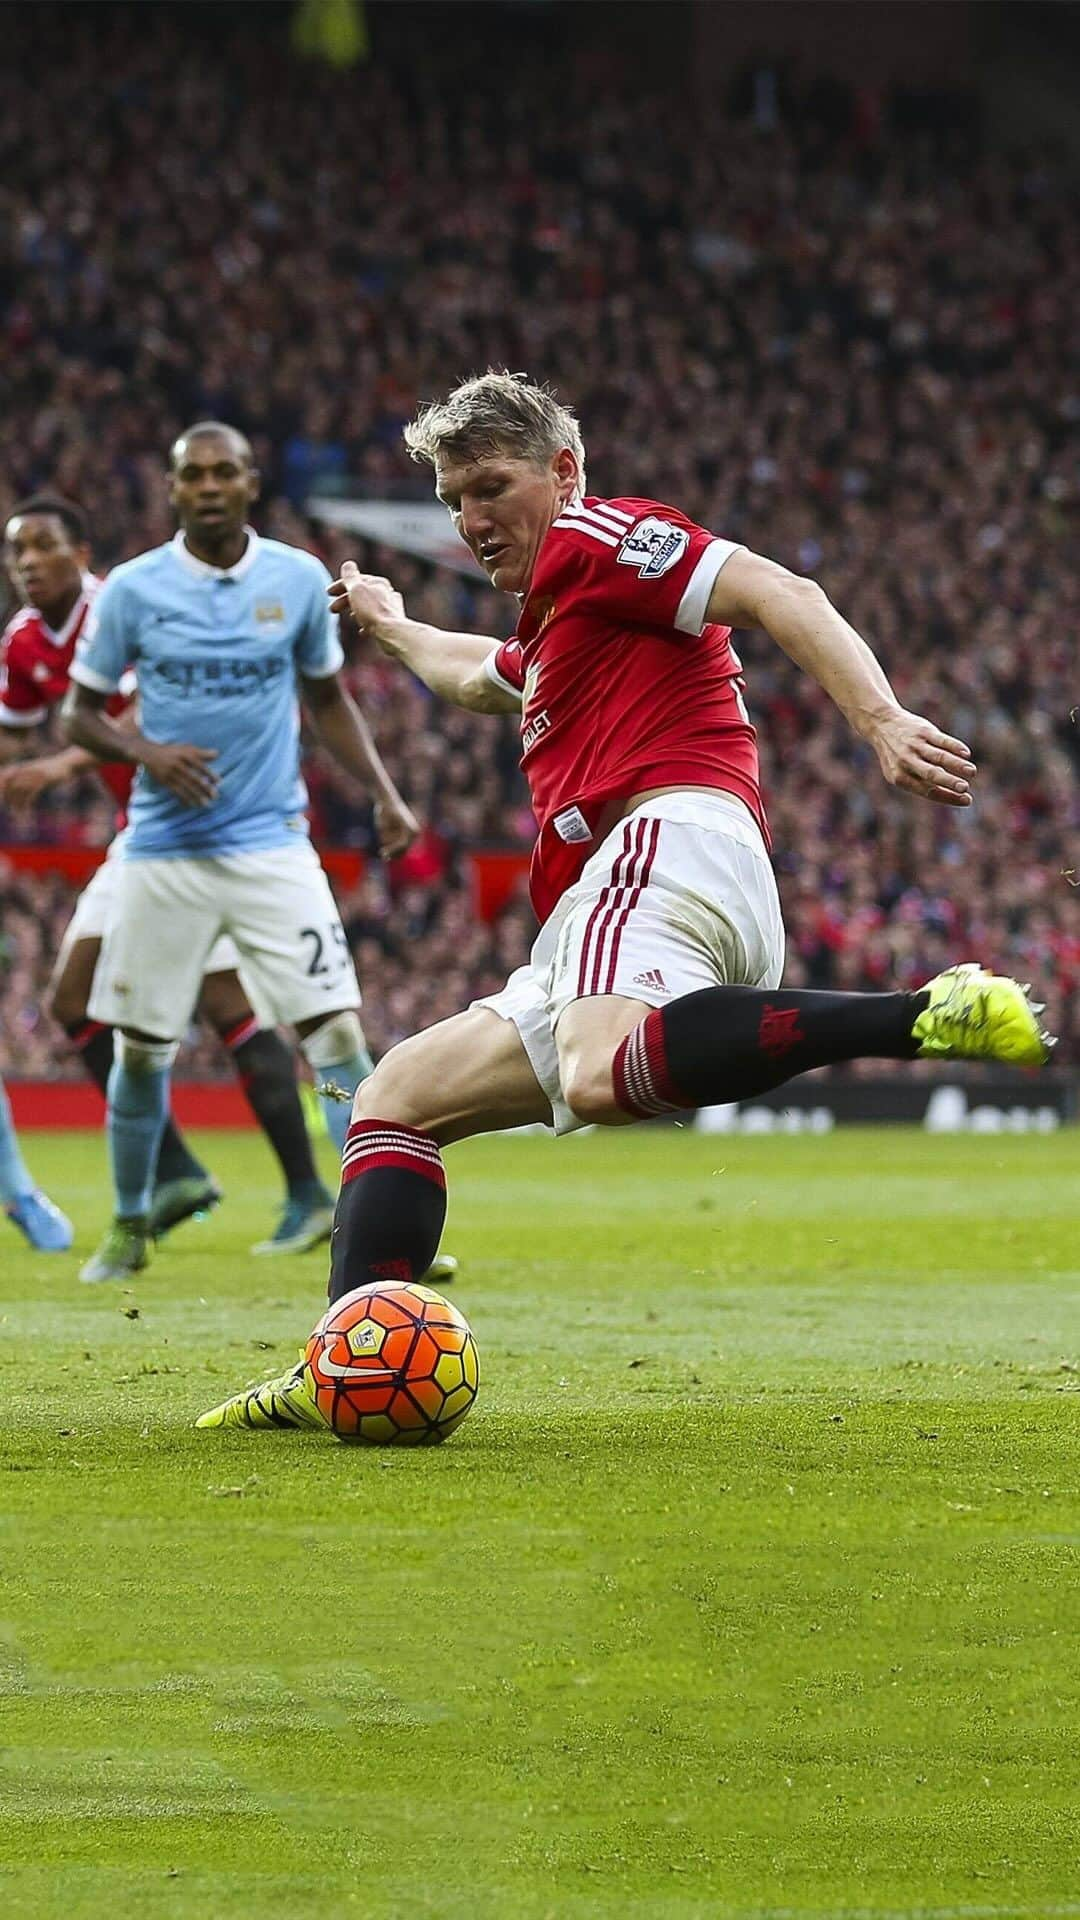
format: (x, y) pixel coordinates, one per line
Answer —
(59, 636)
(202, 568)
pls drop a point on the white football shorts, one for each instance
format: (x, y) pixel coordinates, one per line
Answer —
(680, 895)
(275, 907)
(94, 909)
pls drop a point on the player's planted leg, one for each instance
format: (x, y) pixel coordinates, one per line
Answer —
(343, 1036)
(387, 1224)
(138, 1107)
(468, 1075)
(391, 1208)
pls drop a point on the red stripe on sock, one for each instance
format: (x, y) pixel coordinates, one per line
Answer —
(641, 1080)
(383, 1143)
(618, 1080)
(367, 1162)
(83, 1035)
(243, 1031)
(656, 1054)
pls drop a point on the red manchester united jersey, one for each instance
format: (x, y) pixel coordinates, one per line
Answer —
(624, 684)
(34, 665)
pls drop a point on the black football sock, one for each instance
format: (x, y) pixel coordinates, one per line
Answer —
(730, 1043)
(391, 1208)
(267, 1073)
(175, 1160)
(94, 1046)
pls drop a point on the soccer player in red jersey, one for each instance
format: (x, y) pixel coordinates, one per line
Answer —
(654, 983)
(47, 555)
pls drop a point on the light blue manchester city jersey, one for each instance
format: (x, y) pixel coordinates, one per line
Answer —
(216, 654)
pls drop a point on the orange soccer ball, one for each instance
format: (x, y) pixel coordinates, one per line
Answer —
(395, 1366)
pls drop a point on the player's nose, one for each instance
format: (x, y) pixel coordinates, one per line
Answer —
(476, 522)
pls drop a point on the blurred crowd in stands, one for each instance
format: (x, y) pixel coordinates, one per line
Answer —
(849, 343)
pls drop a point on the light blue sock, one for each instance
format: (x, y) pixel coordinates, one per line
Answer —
(15, 1177)
(138, 1108)
(347, 1074)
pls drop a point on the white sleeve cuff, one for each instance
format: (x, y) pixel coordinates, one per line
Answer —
(331, 665)
(498, 679)
(86, 677)
(694, 604)
(9, 717)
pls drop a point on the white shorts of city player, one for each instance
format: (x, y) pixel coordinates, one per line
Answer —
(96, 904)
(680, 895)
(276, 907)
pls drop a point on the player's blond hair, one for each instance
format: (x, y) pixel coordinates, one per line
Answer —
(496, 412)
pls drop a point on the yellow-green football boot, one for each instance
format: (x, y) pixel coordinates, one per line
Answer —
(124, 1251)
(285, 1401)
(976, 1015)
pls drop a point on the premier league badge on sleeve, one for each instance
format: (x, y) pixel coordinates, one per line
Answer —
(653, 547)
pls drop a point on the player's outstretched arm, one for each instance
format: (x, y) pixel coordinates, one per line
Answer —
(185, 770)
(751, 591)
(451, 664)
(342, 728)
(22, 783)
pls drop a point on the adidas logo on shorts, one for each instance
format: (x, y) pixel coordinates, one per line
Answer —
(653, 979)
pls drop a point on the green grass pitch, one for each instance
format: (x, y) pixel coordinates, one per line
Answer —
(749, 1588)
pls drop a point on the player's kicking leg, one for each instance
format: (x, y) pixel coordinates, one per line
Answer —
(468, 1075)
(47, 1229)
(620, 1061)
(692, 1013)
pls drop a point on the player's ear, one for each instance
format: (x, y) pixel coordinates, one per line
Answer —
(567, 471)
(254, 483)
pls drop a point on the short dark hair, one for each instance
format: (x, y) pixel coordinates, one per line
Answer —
(202, 429)
(71, 517)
